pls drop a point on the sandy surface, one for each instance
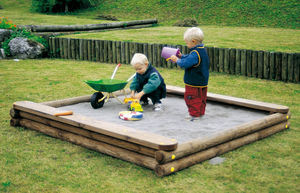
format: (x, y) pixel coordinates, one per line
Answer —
(170, 122)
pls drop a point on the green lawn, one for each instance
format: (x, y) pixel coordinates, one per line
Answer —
(34, 162)
(267, 39)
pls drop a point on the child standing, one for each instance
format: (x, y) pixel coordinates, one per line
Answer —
(147, 83)
(196, 73)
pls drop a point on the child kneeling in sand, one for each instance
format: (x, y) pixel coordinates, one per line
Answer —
(147, 83)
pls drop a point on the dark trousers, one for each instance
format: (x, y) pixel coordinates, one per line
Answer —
(195, 99)
(155, 96)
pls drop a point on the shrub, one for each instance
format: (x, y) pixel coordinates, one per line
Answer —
(187, 23)
(60, 6)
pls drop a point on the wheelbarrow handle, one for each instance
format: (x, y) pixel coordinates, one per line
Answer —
(131, 77)
(114, 73)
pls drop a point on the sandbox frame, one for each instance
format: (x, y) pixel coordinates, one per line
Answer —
(161, 154)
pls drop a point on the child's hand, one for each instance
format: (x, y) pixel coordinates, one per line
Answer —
(132, 94)
(174, 58)
(139, 95)
(179, 54)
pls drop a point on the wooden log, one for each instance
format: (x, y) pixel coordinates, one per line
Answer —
(118, 52)
(249, 62)
(77, 54)
(93, 50)
(131, 50)
(266, 65)
(297, 67)
(117, 131)
(226, 60)
(114, 52)
(14, 113)
(171, 167)
(290, 67)
(284, 67)
(150, 53)
(238, 62)
(216, 59)
(105, 51)
(61, 47)
(97, 50)
(88, 27)
(110, 51)
(57, 48)
(65, 48)
(278, 63)
(81, 48)
(89, 50)
(89, 134)
(221, 59)
(159, 58)
(244, 62)
(69, 101)
(221, 137)
(211, 58)
(155, 51)
(14, 122)
(260, 64)
(127, 53)
(268, 107)
(85, 49)
(117, 152)
(254, 64)
(69, 48)
(122, 53)
(53, 50)
(73, 49)
(232, 61)
(272, 66)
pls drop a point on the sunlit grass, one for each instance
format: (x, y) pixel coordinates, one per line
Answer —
(267, 39)
(33, 162)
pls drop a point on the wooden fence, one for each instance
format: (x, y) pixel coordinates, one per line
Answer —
(251, 63)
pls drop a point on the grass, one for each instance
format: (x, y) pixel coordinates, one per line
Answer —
(267, 39)
(33, 162)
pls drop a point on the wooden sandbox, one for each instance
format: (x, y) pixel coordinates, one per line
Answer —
(162, 154)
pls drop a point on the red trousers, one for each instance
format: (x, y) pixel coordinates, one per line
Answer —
(195, 99)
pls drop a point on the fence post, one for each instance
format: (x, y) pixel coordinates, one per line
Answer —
(238, 62)
(232, 61)
(267, 65)
(272, 66)
(226, 60)
(290, 67)
(278, 63)
(260, 64)
(249, 62)
(254, 64)
(296, 67)
(284, 67)
(216, 59)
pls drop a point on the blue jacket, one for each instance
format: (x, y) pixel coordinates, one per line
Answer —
(196, 66)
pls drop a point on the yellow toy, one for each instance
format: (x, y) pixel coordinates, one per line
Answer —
(133, 104)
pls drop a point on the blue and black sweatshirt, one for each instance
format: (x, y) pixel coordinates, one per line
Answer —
(196, 67)
(150, 81)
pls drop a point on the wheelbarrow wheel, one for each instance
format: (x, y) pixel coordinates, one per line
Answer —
(96, 104)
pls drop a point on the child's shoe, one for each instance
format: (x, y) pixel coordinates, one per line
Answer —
(145, 103)
(191, 118)
(157, 107)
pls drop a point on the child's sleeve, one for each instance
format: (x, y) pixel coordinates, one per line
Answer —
(153, 83)
(134, 84)
(188, 60)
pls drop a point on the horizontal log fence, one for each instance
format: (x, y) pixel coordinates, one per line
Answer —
(259, 64)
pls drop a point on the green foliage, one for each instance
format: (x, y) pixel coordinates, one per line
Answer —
(24, 34)
(275, 13)
(7, 24)
(59, 6)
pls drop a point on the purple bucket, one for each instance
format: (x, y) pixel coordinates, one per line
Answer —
(167, 52)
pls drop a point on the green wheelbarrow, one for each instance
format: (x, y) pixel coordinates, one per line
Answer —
(108, 86)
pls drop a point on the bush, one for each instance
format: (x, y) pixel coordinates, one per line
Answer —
(60, 6)
(7, 24)
(187, 23)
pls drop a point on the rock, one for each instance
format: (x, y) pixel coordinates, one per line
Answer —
(2, 54)
(23, 48)
(216, 160)
(4, 34)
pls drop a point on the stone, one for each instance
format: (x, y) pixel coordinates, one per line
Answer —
(5, 34)
(23, 48)
(216, 160)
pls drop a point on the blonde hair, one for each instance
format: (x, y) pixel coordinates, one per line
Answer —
(194, 33)
(139, 58)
